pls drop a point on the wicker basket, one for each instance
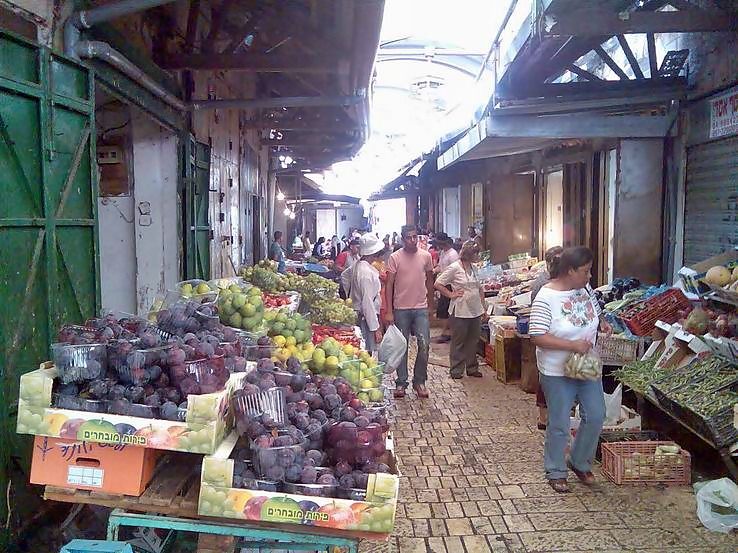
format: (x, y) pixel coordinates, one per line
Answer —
(639, 463)
(616, 351)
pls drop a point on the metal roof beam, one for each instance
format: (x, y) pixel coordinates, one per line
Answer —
(251, 62)
(598, 22)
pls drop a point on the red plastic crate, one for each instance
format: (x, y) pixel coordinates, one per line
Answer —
(637, 463)
(641, 318)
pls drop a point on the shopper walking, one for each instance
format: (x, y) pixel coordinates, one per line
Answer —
(409, 287)
(276, 252)
(460, 284)
(447, 256)
(307, 245)
(349, 256)
(474, 236)
(543, 279)
(365, 290)
(318, 247)
(564, 320)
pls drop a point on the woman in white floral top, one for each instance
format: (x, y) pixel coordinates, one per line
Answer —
(564, 319)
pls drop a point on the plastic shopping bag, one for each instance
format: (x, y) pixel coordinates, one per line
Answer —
(583, 366)
(613, 404)
(717, 504)
(392, 349)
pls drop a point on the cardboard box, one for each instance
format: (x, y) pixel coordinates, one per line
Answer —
(376, 514)
(726, 348)
(630, 421)
(116, 469)
(691, 277)
(208, 419)
(660, 333)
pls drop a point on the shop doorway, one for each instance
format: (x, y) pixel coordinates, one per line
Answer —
(553, 218)
(451, 212)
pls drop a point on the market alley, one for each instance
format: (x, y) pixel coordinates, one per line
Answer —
(472, 481)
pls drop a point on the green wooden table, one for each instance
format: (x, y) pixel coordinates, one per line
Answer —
(253, 536)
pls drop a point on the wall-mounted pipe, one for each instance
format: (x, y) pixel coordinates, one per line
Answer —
(77, 49)
(276, 103)
(84, 19)
(104, 52)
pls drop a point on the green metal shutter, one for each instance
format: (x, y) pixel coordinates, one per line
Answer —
(711, 210)
(197, 192)
(49, 268)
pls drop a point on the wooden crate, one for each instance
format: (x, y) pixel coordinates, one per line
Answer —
(507, 359)
(174, 490)
(528, 366)
(489, 354)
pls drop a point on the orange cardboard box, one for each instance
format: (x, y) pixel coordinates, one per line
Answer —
(111, 468)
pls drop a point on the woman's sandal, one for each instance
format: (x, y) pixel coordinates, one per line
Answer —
(559, 485)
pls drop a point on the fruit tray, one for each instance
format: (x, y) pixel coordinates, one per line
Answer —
(645, 463)
(374, 514)
(207, 421)
(641, 318)
(718, 429)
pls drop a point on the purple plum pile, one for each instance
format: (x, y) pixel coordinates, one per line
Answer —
(138, 375)
(293, 456)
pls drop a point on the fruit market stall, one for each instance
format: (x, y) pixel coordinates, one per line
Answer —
(247, 398)
(689, 373)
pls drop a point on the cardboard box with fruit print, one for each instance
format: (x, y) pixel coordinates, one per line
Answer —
(374, 514)
(206, 422)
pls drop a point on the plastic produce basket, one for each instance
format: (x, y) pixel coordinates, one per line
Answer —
(271, 402)
(616, 351)
(79, 362)
(641, 318)
(639, 463)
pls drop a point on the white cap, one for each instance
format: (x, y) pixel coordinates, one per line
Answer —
(370, 244)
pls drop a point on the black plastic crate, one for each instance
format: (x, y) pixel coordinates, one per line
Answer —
(625, 436)
(718, 429)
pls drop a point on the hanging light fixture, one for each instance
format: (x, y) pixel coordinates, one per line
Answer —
(292, 215)
(280, 196)
(286, 211)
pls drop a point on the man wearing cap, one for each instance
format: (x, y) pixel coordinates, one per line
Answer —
(364, 289)
(446, 256)
(348, 257)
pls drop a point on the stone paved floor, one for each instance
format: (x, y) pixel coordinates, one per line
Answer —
(472, 482)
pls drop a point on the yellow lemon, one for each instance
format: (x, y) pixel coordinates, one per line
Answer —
(279, 341)
(348, 349)
(291, 341)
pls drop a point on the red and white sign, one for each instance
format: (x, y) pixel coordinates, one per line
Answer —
(724, 114)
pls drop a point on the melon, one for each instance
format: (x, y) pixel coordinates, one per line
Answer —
(735, 274)
(718, 276)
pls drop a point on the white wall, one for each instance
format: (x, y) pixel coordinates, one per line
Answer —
(325, 220)
(155, 210)
(354, 219)
(117, 253)
(388, 216)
